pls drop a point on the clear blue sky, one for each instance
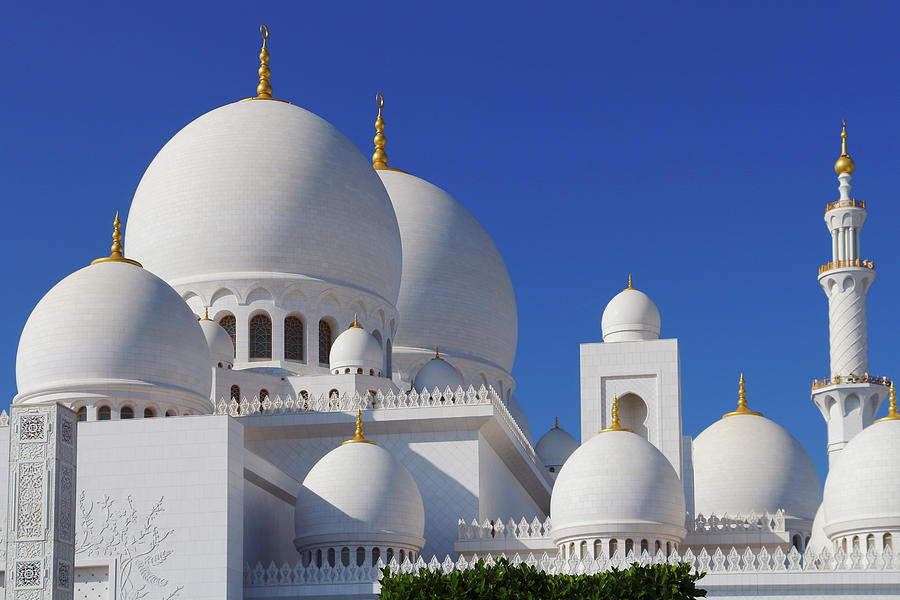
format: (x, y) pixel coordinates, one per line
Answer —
(691, 145)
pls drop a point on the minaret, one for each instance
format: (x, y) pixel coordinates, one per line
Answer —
(849, 398)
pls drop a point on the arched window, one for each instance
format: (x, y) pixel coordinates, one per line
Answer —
(334, 395)
(796, 542)
(887, 542)
(236, 393)
(402, 556)
(170, 413)
(148, 413)
(613, 547)
(263, 394)
(870, 543)
(645, 546)
(104, 414)
(82, 413)
(387, 358)
(331, 557)
(668, 548)
(324, 341)
(318, 558)
(360, 556)
(261, 336)
(844, 544)
(293, 338)
(583, 550)
(855, 542)
(126, 413)
(390, 555)
(229, 324)
(629, 546)
(376, 554)
(345, 556)
(657, 546)
(597, 549)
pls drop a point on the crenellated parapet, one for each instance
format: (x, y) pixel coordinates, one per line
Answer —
(718, 524)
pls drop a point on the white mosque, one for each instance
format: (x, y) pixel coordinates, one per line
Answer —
(269, 409)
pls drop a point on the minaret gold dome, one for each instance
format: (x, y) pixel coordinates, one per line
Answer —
(844, 163)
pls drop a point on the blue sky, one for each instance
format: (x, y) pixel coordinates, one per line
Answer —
(691, 145)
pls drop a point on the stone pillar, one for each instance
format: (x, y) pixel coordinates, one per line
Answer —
(40, 551)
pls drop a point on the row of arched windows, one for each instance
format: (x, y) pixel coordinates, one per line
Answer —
(260, 337)
(887, 543)
(613, 546)
(318, 558)
(104, 413)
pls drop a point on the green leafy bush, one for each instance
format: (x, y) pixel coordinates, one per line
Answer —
(503, 581)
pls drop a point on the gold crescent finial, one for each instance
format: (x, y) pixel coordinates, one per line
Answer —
(359, 437)
(379, 157)
(615, 425)
(117, 253)
(264, 89)
(892, 407)
(844, 163)
(742, 402)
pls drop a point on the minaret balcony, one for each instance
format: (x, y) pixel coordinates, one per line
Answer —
(850, 379)
(851, 203)
(842, 264)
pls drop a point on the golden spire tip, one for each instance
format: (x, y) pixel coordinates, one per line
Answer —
(616, 425)
(116, 251)
(206, 313)
(379, 157)
(629, 282)
(264, 89)
(556, 423)
(742, 401)
(892, 407)
(844, 163)
(358, 437)
(355, 322)
(437, 352)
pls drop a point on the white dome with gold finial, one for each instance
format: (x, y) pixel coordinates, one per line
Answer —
(280, 192)
(221, 347)
(437, 373)
(630, 316)
(114, 332)
(356, 351)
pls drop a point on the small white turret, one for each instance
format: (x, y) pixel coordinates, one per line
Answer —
(356, 352)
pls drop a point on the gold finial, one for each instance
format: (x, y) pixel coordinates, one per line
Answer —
(844, 163)
(355, 322)
(379, 158)
(742, 402)
(264, 89)
(206, 314)
(892, 407)
(629, 282)
(556, 423)
(117, 253)
(437, 353)
(359, 437)
(615, 425)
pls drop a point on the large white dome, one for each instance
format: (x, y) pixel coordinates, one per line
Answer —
(359, 493)
(455, 292)
(615, 484)
(863, 484)
(262, 187)
(631, 315)
(748, 463)
(113, 329)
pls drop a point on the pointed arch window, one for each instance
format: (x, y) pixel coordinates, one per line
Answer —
(261, 336)
(236, 392)
(293, 338)
(324, 341)
(82, 413)
(229, 324)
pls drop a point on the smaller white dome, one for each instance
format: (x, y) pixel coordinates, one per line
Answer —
(617, 484)
(863, 484)
(630, 316)
(437, 373)
(356, 349)
(221, 348)
(554, 448)
(359, 494)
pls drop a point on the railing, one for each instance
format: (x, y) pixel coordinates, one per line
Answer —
(496, 528)
(715, 524)
(734, 562)
(853, 202)
(853, 262)
(851, 378)
(346, 403)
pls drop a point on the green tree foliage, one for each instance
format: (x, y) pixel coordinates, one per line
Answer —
(503, 581)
